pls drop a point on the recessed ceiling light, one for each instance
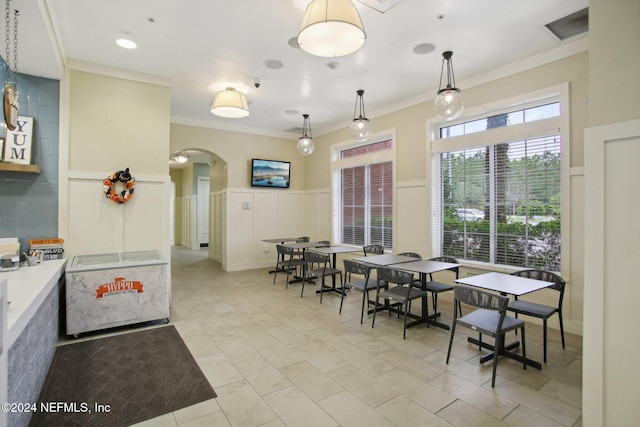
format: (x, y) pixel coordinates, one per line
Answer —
(126, 43)
(424, 48)
(274, 64)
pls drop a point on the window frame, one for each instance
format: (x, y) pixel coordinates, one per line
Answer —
(336, 164)
(505, 134)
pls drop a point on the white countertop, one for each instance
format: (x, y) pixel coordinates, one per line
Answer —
(27, 289)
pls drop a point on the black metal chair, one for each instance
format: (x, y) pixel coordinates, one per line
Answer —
(489, 318)
(288, 260)
(318, 266)
(362, 284)
(541, 311)
(399, 296)
(373, 250)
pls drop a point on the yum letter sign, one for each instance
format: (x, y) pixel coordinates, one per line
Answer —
(17, 147)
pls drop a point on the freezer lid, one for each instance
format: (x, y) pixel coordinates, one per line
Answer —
(115, 260)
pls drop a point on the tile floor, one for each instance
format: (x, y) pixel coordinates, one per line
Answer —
(276, 359)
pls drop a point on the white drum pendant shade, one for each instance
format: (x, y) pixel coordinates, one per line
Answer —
(331, 28)
(230, 103)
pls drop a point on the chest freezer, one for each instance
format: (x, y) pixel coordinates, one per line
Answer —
(109, 290)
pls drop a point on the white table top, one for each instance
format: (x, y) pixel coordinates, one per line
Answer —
(281, 240)
(505, 283)
(304, 245)
(424, 266)
(335, 249)
(384, 259)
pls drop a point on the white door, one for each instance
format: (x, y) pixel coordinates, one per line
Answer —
(203, 211)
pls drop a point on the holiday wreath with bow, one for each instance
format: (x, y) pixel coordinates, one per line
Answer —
(109, 187)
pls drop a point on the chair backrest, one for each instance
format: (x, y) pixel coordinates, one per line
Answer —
(450, 260)
(479, 298)
(546, 276)
(324, 242)
(355, 267)
(302, 239)
(373, 249)
(390, 275)
(287, 250)
(411, 254)
(314, 257)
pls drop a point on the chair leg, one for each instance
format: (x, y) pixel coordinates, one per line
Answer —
(375, 311)
(561, 328)
(544, 339)
(496, 353)
(404, 329)
(365, 297)
(453, 329)
(524, 351)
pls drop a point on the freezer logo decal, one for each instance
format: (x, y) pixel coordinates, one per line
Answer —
(120, 285)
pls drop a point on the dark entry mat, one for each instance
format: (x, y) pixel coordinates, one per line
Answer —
(120, 380)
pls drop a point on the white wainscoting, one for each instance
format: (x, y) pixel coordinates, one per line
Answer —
(98, 225)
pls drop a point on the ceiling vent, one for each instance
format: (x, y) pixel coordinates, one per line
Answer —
(381, 6)
(571, 25)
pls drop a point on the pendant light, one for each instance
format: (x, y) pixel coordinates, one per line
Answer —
(305, 143)
(230, 103)
(448, 104)
(361, 129)
(181, 157)
(331, 28)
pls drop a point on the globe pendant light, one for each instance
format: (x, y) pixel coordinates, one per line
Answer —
(448, 104)
(361, 129)
(230, 104)
(331, 28)
(305, 143)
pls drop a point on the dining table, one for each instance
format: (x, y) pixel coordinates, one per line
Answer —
(425, 267)
(303, 246)
(334, 251)
(282, 241)
(385, 260)
(505, 284)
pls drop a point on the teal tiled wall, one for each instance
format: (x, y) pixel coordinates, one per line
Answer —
(29, 202)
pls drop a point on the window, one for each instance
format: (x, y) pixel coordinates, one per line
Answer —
(497, 185)
(363, 194)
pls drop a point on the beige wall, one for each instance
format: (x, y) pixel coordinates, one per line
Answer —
(612, 141)
(110, 124)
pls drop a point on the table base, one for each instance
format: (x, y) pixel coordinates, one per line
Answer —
(505, 352)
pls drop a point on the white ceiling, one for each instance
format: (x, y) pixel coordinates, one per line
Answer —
(195, 45)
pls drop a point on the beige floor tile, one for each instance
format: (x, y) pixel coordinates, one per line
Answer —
(196, 411)
(566, 393)
(406, 413)
(166, 420)
(368, 389)
(215, 419)
(553, 408)
(295, 409)
(417, 390)
(201, 345)
(461, 414)
(486, 400)
(310, 380)
(262, 375)
(219, 370)
(525, 417)
(368, 363)
(350, 411)
(242, 405)
(419, 368)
